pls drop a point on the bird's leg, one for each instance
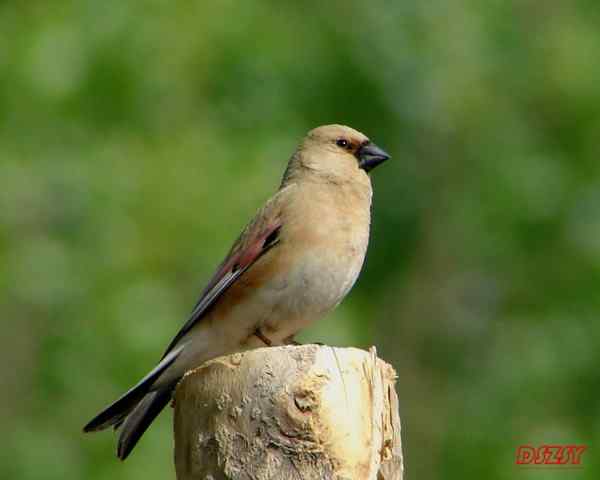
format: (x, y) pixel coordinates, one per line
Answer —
(264, 339)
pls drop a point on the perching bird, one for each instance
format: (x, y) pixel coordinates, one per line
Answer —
(294, 262)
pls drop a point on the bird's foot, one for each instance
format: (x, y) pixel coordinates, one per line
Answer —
(262, 337)
(290, 341)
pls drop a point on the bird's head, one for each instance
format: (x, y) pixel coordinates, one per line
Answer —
(339, 151)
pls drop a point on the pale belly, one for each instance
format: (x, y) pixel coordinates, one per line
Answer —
(307, 293)
(280, 308)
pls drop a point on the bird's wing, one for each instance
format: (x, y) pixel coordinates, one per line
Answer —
(261, 234)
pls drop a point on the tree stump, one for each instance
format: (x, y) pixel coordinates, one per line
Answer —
(291, 412)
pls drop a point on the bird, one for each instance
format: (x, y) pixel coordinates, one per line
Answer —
(293, 263)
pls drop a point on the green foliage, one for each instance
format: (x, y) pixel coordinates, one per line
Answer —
(138, 138)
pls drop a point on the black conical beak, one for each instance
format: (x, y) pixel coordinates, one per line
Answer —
(370, 155)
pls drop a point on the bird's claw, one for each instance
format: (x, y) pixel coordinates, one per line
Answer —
(290, 341)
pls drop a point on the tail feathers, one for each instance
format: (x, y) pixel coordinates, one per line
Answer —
(138, 421)
(116, 413)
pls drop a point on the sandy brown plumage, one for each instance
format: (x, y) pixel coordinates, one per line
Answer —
(293, 263)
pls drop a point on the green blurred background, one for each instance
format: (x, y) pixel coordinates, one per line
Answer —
(137, 138)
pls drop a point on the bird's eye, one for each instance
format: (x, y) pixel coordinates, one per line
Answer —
(343, 143)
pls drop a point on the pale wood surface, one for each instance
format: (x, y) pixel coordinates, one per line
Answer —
(293, 412)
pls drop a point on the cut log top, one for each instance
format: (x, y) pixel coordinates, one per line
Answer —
(292, 412)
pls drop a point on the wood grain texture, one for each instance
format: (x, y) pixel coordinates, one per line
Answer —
(293, 412)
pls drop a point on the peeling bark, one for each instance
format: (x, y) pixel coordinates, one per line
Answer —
(293, 412)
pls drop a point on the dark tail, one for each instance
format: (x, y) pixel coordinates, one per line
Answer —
(136, 409)
(138, 421)
(116, 412)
